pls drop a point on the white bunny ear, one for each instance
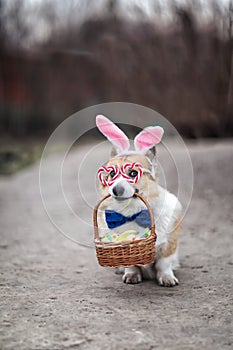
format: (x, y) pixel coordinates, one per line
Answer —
(115, 135)
(148, 138)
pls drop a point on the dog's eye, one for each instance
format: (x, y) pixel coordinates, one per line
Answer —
(133, 173)
(112, 174)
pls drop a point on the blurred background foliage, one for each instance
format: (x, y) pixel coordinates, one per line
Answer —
(57, 57)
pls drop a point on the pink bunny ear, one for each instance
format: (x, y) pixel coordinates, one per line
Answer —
(148, 138)
(119, 140)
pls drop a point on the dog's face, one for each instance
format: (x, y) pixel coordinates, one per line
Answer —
(122, 189)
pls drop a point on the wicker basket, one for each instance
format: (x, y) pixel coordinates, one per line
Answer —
(127, 253)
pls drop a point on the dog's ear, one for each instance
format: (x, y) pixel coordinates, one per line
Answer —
(115, 135)
(151, 154)
(113, 152)
(148, 138)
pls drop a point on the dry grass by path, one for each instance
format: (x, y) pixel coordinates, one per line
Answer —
(16, 154)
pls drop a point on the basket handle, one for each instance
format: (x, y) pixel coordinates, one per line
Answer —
(96, 231)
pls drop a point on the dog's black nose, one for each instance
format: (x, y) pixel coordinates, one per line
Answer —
(118, 190)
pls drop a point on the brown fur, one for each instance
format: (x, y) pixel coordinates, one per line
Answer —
(170, 247)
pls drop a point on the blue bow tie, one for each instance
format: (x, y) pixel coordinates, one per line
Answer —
(115, 219)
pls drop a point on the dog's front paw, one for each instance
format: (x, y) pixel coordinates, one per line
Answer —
(132, 278)
(167, 280)
(132, 275)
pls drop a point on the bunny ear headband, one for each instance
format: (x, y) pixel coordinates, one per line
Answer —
(146, 139)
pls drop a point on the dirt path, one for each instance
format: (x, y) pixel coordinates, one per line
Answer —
(55, 296)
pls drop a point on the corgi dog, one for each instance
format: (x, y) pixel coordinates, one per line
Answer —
(122, 186)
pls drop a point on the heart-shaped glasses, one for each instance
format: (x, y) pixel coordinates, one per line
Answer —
(104, 171)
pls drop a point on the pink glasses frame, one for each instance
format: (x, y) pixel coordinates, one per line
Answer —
(122, 171)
